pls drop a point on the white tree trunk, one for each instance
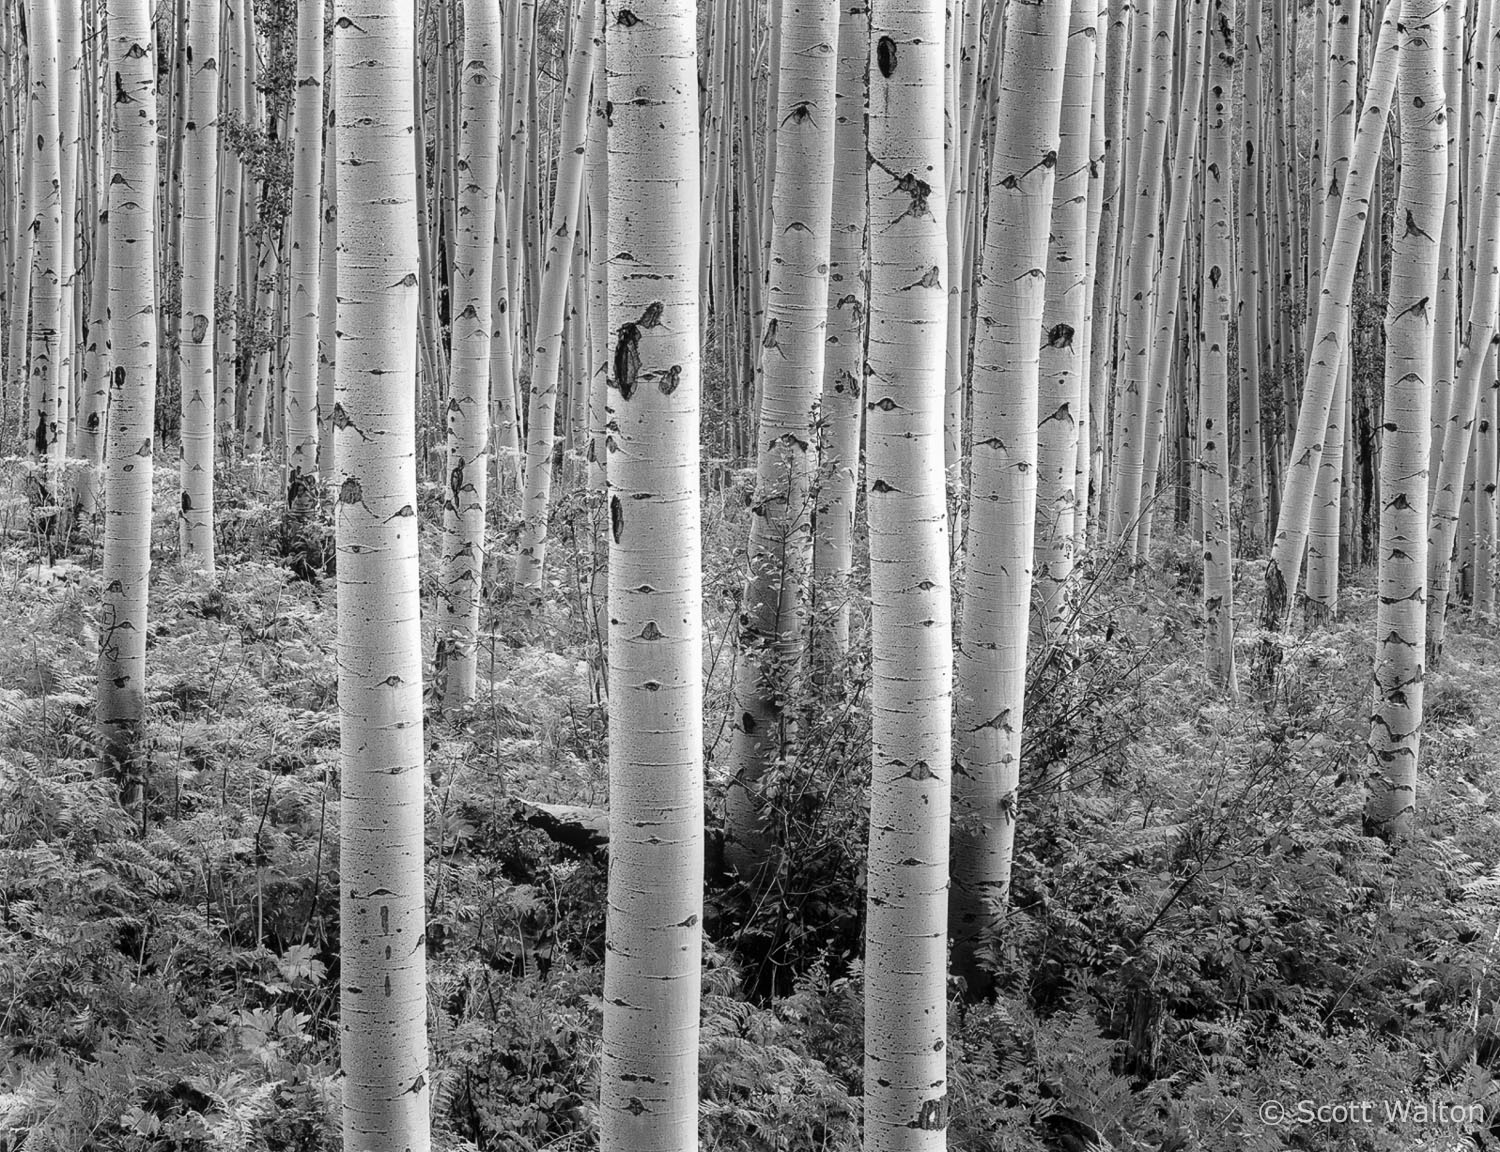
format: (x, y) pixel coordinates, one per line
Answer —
(301, 401)
(465, 497)
(195, 330)
(1213, 342)
(1002, 501)
(1400, 620)
(130, 420)
(383, 1004)
(906, 1100)
(1329, 346)
(531, 560)
(1062, 397)
(653, 927)
(772, 634)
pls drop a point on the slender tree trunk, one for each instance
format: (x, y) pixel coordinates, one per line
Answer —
(383, 1004)
(906, 1100)
(1213, 343)
(1002, 509)
(47, 423)
(328, 288)
(1251, 277)
(131, 417)
(1130, 400)
(1167, 289)
(1479, 333)
(843, 365)
(1338, 145)
(772, 636)
(1062, 398)
(301, 405)
(466, 493)
(649, 1066)
(1329, 346)
(195, 332)
(1400, 621)
(531, 560)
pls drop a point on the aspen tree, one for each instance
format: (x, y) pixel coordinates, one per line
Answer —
(300, 408)
(653, 923)
(328, 286)
(195, 330)
(1062, 400)
(567, 197)
(465, 497)
(1167, 288)
(906, 1101)
(991, 665)
(1213, 340)
(1251, 280)
(382, 1006)
(1400, 627)
(1478, 335)
(46, 424)
(1093, 346)
(1145, 242)
(69, 96)
(1328, 348)
(1338, 143)
(126, 569)
(1111, 220)
(772, 634)
(231, 205)
(843, 363)
(1445, 344)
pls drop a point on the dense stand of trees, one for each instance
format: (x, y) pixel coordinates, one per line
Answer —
(977, 296)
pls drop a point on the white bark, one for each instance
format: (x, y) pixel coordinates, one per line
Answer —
(1400, 620)
(130, 421)
(653, 927)
(465, 498)
(301, 386)
(531, 560)
(772, 634)
(906, 1101)
(195, 331)
(382, 1025)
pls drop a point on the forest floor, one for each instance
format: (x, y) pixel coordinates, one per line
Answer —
(1202, 934)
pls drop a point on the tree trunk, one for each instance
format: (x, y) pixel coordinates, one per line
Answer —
(1213, 342)
(649, 1064)
(468, 409)
(772, 635)
(383, 1004)
(1330, 345)
(1396, 725)
(1002, 509)
(531, 560)
(301, 403)
(131, 416)
(195, 331)
(906, 1101)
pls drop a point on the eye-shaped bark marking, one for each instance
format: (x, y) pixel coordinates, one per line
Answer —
(340, 420)
(668, 383)
(1061, 336)
(885, 56)
(627, 359)
(616, 518)
(627, 18)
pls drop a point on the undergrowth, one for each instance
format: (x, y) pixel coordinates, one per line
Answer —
(1199, 925)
